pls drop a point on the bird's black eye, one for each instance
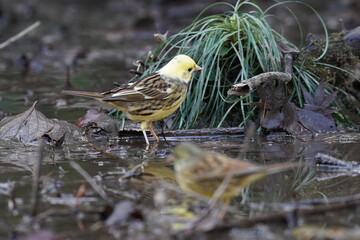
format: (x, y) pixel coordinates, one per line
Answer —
(189, 69)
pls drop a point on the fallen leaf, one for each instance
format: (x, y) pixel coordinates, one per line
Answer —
(25, 127)
(315, 117)
(29, 126)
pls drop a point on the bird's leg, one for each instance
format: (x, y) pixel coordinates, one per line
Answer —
(144, 126)
(153, 133)
(146, 138)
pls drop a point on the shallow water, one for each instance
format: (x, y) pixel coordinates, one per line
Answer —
(109, 159)
(152, 186)
(78, 219)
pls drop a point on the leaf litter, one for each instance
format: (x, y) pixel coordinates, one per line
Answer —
(28, 127)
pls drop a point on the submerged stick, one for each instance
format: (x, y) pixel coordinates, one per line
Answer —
(90, 180)
(298, 210)
(20, 34)
(36, 179)
(190, 133)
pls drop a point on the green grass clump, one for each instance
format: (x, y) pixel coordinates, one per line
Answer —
(230, 47)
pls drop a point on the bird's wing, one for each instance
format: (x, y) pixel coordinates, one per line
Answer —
(234, 173)
(152, 86)
(218, 166)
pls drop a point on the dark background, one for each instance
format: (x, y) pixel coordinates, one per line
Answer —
(74, 17)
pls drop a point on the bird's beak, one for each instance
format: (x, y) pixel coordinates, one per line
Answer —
(197, 68)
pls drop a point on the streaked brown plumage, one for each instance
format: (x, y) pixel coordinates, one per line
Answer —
(153, 97)
(203, 172)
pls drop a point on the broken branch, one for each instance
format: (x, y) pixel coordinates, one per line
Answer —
(246, 86)
(20, 35)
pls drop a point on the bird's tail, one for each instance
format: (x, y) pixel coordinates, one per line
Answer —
(83, 94)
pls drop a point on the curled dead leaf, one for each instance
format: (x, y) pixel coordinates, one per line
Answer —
(31, 125)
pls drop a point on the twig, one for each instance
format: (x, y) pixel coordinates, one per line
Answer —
(310, 203)
(133, 172)
(90, 180)
(36, 179)
(221, 189)
(20, 34)
(303, 210)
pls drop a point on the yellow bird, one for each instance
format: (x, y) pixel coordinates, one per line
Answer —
(152, 97)
(203, 172)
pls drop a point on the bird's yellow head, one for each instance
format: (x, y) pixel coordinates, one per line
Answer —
(185, 155)
(180, 67)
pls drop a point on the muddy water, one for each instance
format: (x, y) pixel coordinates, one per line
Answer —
(152, 186)
(154, 179)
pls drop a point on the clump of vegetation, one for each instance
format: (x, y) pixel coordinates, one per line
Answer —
(334, 68)
(230, 47)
